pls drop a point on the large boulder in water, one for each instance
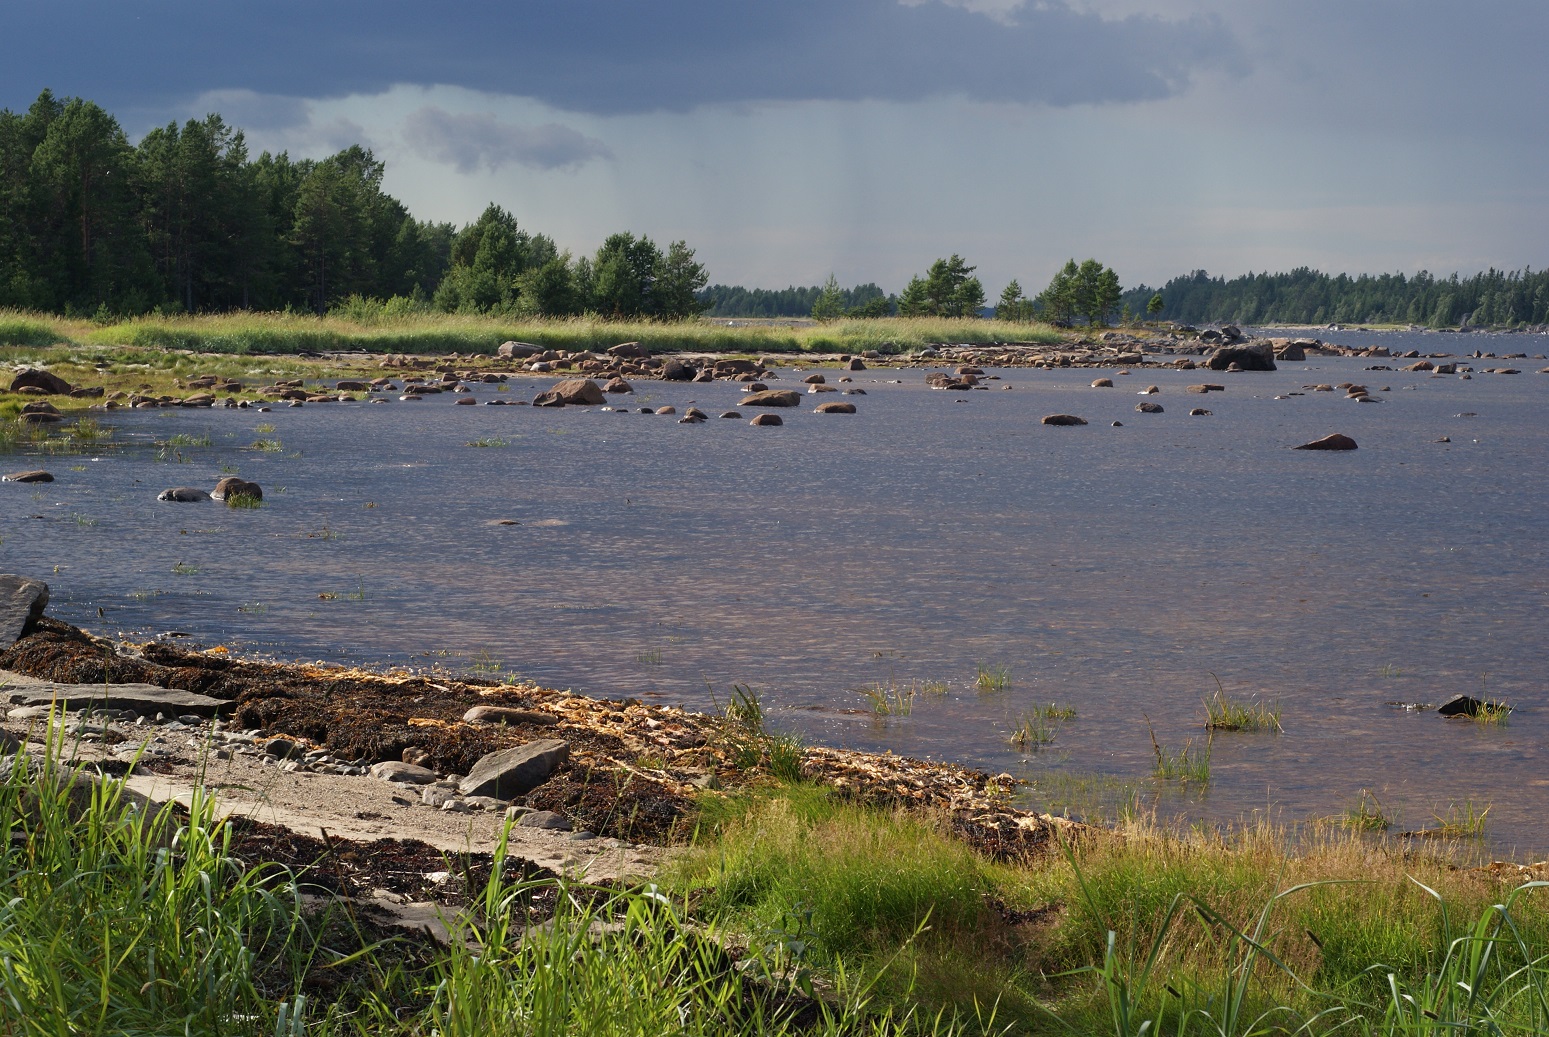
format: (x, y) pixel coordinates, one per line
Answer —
(231, 487)
(674, 370)
(771, 398)
(1063, 419)
(183, 495)
(1251, 356)
(575, 392)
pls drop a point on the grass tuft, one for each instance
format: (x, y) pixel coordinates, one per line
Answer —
(992, 679)
(1223, 713)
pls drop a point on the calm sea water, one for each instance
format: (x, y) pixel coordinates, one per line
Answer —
(1119, 571)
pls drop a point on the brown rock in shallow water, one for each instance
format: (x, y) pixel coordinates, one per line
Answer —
(1102, 383)
(1333, 442)
(767, 419)
(231, 486)
(835, 407)
(575, 392)
(36, 475)
(1063, 419)
(771, 398)
(1149, 408)
(183, 495)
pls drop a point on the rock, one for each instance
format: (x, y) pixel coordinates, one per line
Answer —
(667, 410)
(1102, 383)
(508, 773)
(183, 495)
(1150, 390)
(1149, 408)
(1207, 387)
(618, 385)
(771, 398)
(675, 370)
(731, 414)
(766, 419)
(36, 475)
(575, 392)
(815, 379)
(518, 350)
(352, 386)
(1253, 356)
(1422, 365)
(1291, 351)
(855, 364)
(834, 407)
(22, 602)
(30, 378)
(435, 796)
(404, 773)
(1199, 412)
(1333, 442)
(231, 486)
(546, 819)
(144, 699)
(1467, 706)
(507, 715)
(1063, 419)
(628, 350)
(281, 748)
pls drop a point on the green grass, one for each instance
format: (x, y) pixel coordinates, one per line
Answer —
(992, 679)
(263, 428)
(246, 501)
(891, 699)
(1461, 821)
(18, 330)
(1224, 713)
(267, 446)
(187, 439)
(493, 442)
(185, 568)
(1032, 732)
(1367, 815)
(1190, 763)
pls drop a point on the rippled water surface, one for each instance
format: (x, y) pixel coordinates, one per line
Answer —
(1112, 570)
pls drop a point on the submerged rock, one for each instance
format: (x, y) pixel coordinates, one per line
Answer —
(771, 398)
(183, 495)
(1063, 419)
(1331, 442)
(36, 475)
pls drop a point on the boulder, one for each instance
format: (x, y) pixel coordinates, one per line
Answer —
(36, 475)
(767, 419)
(518, 350)
(855, 364)
(1295, 350)
(731, 414)
(1467, 706)
(618, 385)
(576, 392)
(675, 370)
(508, 773)
(508, 715)
(31, 378)
(352, 386)
(1063, 419)
(404, 773)
(231, 486)
(22, 602)
(1102, 383)
(1149, 408)
(1251, 356)
(815, 379)
(1333, 442)
(771, 398)
(628, 350)
(1199, 412)
(183, 495)
(834, 407)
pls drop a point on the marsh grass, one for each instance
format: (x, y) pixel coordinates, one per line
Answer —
(185, 568)
(187, 439)
(493, 442)
(1492, 714)
(1367, 815)
(649, 657)
(244, 501)
(992, 679)
(890, 699)
(1190, 763)
(267, 446)
(1224, 713)
(1033, 731)
(1461, 821)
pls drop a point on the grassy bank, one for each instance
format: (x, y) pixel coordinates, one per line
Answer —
(792, 911)
(279, 333)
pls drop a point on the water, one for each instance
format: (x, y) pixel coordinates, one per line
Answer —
(1113, 570)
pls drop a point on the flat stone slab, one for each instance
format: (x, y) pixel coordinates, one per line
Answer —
(145, 699)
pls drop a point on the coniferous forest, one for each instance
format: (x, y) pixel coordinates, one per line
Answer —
(186, 221)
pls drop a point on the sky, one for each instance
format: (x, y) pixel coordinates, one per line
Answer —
(785, 140)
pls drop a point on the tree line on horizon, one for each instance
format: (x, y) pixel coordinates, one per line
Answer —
(186, 222)
(1493, 298)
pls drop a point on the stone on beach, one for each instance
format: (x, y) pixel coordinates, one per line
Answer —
(143, 699)
(404, 773)
(507, 715)
(22, 602)
(508, 773)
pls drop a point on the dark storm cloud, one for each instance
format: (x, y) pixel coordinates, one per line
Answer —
(467, 142)
(604, 56)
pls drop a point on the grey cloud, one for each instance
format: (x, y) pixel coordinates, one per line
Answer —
(470, 141)
(609, 56)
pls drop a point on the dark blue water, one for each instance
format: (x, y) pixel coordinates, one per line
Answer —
(1113, 570)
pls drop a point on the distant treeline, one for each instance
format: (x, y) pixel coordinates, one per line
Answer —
(1305, 296)
(185, 221)
(723, 300)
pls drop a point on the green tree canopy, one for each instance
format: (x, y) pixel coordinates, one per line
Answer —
(948, 289)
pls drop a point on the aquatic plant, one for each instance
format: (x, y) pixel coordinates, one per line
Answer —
(1223, 713)
(1189, 763)
(991, 679)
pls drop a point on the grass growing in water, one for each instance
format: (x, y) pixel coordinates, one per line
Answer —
(245, 501)
(1190, 763)
(267, 446)
(992, 679)
(1032, 731)
(1223, 713)
(496, 442)
(1367, 815)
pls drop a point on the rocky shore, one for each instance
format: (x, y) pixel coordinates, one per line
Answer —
(415, 755)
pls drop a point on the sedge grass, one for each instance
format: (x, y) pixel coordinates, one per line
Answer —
(1191, 763)
(992, 679)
